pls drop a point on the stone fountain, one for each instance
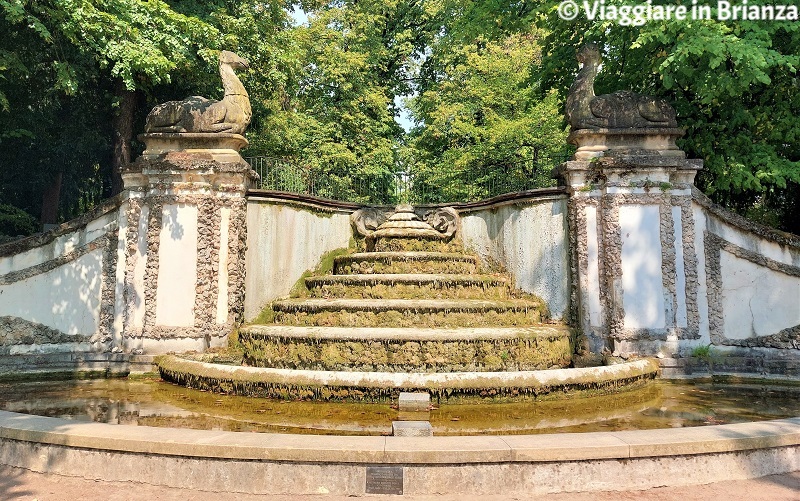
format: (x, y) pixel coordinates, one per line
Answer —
(411, 311)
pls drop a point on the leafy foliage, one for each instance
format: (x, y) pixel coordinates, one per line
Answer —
(482, 124)
(15, 222)
(733, 84)
(337, 112)
(63, 62)
(484, 81)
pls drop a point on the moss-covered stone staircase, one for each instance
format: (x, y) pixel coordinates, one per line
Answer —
(412, 311)
(408, 311)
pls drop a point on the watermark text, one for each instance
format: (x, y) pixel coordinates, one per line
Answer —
(641, 13)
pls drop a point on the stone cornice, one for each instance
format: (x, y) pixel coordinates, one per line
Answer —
(742, 223)
(328, 205)
(40, 239)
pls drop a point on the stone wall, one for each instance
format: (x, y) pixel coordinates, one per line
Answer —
(159, 268)
(285, 238)
(663, 271)
(57, 289)
(752, 280)
(183, 231)
(636, 257)
(528, 237)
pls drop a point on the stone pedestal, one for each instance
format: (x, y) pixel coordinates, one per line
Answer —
(183, 239)
(415, 402)
(632, 231)
(412, 429)
(630, 142)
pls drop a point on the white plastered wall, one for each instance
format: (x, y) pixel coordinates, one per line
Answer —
(59, 284)
(284, 241)
(177, 266)
(642, 281)
(530, 241)
(754, 282)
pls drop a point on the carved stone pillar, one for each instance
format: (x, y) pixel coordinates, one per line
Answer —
(632, 227)
(184, 240)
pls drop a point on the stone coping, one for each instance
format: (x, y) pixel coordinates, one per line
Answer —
(629, 131)
(418, 380)
(189, 443)
(417, 305)
(408, 334)
(163, 142)
(329, 205)
(405, 256)
(40, 239)
(744, 224)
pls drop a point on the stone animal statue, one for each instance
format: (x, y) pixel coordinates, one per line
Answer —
(197, 114)
(622, 109)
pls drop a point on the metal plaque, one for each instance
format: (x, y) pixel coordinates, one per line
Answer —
(385, 480)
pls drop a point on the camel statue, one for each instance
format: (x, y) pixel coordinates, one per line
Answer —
(622, 109)
(198, 114)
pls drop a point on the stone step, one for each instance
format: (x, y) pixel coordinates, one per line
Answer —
(405, 262)
(71, 365)
(412, 429)
(383, 386)
(405, 305)
(408, 278)
(382, 334)
(407, 312)
(406, 285)
(412, 349)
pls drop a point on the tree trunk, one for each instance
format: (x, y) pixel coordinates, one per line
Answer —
(50, 200)
(123, 133)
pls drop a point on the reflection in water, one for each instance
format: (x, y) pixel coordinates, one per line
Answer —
(151, 402)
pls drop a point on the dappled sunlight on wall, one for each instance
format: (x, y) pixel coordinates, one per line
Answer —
(60, 283)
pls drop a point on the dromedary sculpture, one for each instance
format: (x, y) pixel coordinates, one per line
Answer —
(622, 109)
(198, 114)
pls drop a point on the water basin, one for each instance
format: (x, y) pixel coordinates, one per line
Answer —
(152, 402)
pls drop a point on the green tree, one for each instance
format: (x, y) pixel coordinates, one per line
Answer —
(733, 84)
(482, 127)
(48, 138)
(87, 50)
(337, 109)
(15, 222)
(78, 76)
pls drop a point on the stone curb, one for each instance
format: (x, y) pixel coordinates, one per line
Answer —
(435, 380)
(415, 305)
(476, 279)
(401, 450)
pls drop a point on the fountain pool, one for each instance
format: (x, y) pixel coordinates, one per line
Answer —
(148, 401)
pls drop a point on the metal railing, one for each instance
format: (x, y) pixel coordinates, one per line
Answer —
(290, 175)
(421, 186)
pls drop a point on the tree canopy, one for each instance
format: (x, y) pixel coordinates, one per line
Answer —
(734, 85)
(482, 123)
(484, 83)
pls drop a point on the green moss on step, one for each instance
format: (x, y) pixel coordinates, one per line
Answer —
(345, 318)
(417, 266)
(324, 267)
(259, 384)
(267, 316)
(417, 245)
(408, 356)
(225, 356)
(408, 291)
